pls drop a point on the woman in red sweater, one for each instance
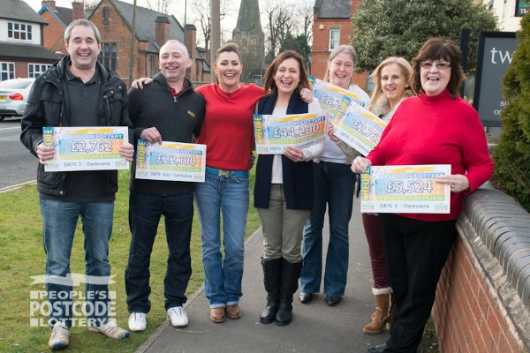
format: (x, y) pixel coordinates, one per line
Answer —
(227, 133)
(436, 127)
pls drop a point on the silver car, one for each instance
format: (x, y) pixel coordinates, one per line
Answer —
(14, 96)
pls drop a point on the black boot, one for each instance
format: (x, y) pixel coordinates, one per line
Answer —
(272, 272)
(290, 274)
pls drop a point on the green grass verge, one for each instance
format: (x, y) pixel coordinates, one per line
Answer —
(22, 256)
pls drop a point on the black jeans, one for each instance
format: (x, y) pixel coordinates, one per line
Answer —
(145, 211)
(416, 253)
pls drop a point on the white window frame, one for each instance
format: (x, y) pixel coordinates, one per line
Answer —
(24, 31)
(333, 44)
(37, 69)
(7, 68)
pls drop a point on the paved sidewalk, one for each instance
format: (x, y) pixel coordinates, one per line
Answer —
(316, 328)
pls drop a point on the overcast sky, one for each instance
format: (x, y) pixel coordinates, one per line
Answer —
(176, 8)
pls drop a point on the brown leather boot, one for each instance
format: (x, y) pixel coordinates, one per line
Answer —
(380, 316)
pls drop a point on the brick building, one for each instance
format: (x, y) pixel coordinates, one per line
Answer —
(21, 37)
(57, 19)
(332, 26)
(114, 20)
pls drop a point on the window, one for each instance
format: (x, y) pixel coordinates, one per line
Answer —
(105, 14)
(19, 31)
(35, 70)
(7, 71)
(109, 55)
(334, 38)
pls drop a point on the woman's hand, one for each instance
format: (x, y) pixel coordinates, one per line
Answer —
(294, 154)
(139, 83)
(307, 95)
(457, 182)
(360, 164)
(127, 151)
(331, 134)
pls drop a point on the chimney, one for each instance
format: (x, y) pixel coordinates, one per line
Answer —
(190, 40)
(50, 4)
(161, 29)
(78, 10)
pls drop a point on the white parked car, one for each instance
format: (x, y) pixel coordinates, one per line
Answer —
(14, 96)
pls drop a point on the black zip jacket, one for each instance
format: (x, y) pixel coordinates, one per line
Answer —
(47, 106)
(178, 118)
(297, 176)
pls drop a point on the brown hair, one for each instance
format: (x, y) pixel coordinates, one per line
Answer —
(341, 49)
(227, 48)
(270, 85)
(378, 102)
(436, 49)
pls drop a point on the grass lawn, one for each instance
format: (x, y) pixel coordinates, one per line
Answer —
(22, 256)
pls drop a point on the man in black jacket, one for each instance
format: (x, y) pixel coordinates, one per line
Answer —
(78, 91)
(168, 109)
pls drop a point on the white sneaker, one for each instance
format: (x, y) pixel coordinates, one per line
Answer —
(111, 330)
(137, 321)
(59, 338)
(177, 316)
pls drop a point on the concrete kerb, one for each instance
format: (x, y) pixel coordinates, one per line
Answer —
(17, 186)
(156, 334)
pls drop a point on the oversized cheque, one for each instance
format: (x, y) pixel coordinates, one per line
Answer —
(85, 148)
(171, 161)
(405, 189)
(274, 134)
(334, 100)
(359, 128)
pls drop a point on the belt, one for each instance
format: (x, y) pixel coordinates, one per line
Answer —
(226, 173)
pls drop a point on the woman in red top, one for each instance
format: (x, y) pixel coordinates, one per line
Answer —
(436, 127)
(227, 133)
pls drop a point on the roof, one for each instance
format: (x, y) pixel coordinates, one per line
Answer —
(62, 14)
(19, 10)
(333, 8)
(26, 51)
(145, 23)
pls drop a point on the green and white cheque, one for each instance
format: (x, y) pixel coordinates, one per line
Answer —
(334, 100)
(359, 128)
(405, 189)
(274, 134)
(85, 148)
(173, 161)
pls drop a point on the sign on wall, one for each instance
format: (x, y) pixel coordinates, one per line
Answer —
(521, 7)
(494, 56)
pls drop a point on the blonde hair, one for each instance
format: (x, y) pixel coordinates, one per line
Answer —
(378, 102)
(341, 49)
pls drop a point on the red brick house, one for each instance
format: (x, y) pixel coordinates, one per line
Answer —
(21, 37)
(114, 20)
(332, 26)
(57, 19)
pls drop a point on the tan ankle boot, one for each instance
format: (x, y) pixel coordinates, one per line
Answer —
(380, 316)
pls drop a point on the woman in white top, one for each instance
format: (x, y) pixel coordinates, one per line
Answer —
(392, 84)
(334, 185)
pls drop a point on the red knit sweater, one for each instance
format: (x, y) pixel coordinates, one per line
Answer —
(437, 130)
(228, 129)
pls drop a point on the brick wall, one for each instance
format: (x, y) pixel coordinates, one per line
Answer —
(116, 31)
(468, 315)
(53, 33)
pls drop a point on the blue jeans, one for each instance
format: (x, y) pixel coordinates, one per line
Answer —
(334, 187)
(223, 193)
(145, 210)
(60, 220)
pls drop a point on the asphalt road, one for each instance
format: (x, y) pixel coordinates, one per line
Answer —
(17, 165)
